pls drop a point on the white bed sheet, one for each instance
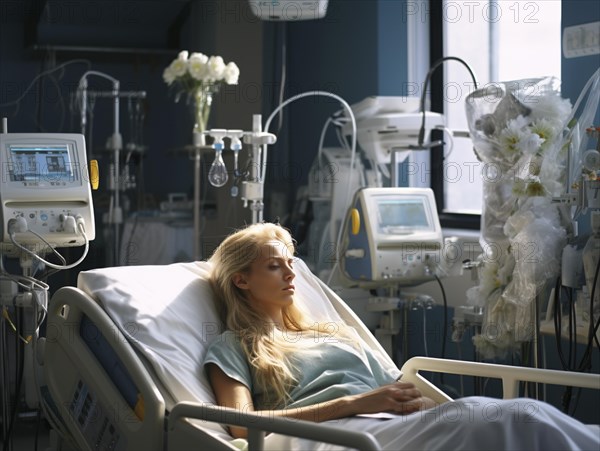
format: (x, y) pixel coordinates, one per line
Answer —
(473, 423)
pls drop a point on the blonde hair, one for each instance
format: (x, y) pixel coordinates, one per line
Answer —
(267, 351)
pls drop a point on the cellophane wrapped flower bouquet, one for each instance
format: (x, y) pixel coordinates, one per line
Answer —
(199, 77)
(518, 131)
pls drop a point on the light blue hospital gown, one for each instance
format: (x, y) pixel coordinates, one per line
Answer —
(472, 423)
(329, 370)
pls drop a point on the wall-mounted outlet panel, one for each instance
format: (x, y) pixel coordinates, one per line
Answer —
(581, 40)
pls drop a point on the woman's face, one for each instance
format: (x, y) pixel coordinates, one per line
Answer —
(269, 282)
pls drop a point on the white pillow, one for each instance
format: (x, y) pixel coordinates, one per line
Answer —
(168, 312)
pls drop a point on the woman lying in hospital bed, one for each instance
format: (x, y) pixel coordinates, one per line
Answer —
(276, 360)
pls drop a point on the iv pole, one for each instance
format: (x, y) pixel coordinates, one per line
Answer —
(115, 216)
(199, 144)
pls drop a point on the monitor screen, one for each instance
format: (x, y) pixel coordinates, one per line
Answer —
(41, 162)
(402, 215)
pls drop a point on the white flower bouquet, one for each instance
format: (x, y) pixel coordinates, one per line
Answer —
(200, 77)
(197, 70)
(518, 130)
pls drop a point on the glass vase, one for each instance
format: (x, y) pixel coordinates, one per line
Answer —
(202, 98)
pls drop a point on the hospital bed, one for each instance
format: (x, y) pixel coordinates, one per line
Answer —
(122, 363)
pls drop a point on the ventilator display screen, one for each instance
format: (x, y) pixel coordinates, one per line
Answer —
(402, 215)
(35, 162)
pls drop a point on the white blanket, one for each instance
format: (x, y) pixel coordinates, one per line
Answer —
(474, 423)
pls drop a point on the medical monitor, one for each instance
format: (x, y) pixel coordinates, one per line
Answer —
(39, 163)
(44, 183)
(401, 216)
(392, 236)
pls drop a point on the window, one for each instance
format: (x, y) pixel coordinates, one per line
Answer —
(500, 41)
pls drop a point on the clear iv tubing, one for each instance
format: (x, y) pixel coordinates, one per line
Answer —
(353, 148)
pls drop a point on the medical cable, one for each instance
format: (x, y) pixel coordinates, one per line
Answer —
(445, 321)
(586, 361)
(80, 228)
(433, 68)
(37, 77)
(460, 377)
(320, 151)
(4, 379)
(299, 96)
(565, 363)
(340, 122)
(570, 364)
(34, 283)
(13, 326)
(18, 390)
(130, 246)
(283, 71)
(41, 93)
(330, 120)
(450, 141)
(17, 279)
(39, 308)
(425, 330)
(54, 251)
(340, 135)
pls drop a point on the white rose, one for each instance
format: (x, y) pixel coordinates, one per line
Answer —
(231, 74)
(200, 57)
(168, 75)
(183, 55)
(216, 67)
(178, 67)
(197, 66)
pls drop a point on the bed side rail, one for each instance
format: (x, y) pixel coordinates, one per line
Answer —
(257, 426)
(97, 383)
(511, 375)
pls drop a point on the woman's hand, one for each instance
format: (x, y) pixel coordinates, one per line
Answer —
(399, 397)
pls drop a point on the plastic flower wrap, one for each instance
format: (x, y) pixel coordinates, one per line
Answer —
(199, 77)
(518, 131)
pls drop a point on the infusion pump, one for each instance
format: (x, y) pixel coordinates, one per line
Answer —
(45, 192)
(392, 236)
